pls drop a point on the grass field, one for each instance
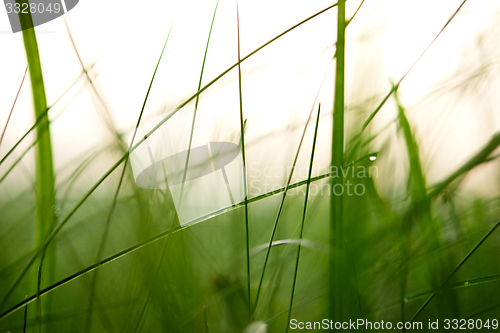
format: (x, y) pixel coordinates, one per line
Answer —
(367, 178)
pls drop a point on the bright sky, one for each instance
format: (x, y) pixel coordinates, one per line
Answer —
(125, 39)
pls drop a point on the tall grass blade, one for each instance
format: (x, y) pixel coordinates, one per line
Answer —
(45, 181)
(285, 191)
(115, 197)
(198, 98)
(336, 260)
(245, 190)
(304, 211)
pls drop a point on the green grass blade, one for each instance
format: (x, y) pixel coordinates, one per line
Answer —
(115, 197)
(245, 190)
(198, 98)
(301, 234)
(285, 191)
(336, 265)
(44, 170)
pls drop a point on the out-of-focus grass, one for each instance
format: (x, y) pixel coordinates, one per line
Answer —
(428, 252)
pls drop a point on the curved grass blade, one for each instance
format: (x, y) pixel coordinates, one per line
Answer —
(44, 169)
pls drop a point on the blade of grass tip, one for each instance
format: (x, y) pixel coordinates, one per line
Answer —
(336, 262)
(94, 187)
(382, 103)
(285, 191)
(115, 197)
(44, 170)
(303, 218)
(242, 133)
(197, 100)
(460, 264)
(13, 105)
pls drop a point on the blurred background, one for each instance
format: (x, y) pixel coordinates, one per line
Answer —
(129, 271)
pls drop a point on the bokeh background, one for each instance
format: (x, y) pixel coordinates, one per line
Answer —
(131, 270)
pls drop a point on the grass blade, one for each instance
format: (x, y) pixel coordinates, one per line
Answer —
(13, 105)
(285, 191)
(337, 267)
(303, 218)
(115, 197)
(242, 134)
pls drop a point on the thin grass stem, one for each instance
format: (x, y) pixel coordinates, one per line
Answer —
(301, 234)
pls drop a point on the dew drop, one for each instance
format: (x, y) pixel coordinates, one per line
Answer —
(373, 158)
